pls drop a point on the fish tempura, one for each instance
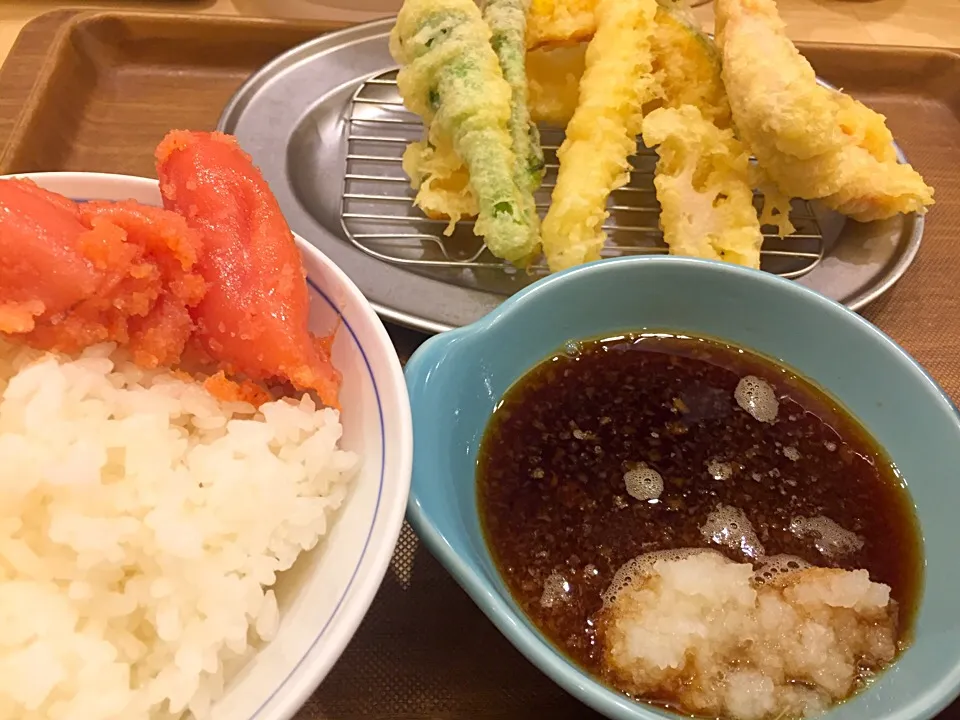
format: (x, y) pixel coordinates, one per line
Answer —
(451, 77)
(813, 142)
(601, 135)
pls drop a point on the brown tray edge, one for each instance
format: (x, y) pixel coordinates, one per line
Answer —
(74, 20)
(42, 78)
(46, 18)
(875, 48)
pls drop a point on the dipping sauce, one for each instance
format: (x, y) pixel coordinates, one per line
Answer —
(617, 448)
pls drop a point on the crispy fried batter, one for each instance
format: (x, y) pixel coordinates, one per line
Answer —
(558, 22)
(508, 21)
(601, 135)
(703, 185)
(814, 142)
(441, 180)
(451, 77)
(686, 63)
(686, 66)
(553, 77)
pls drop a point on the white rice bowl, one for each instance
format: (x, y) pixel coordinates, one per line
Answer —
(143, 523)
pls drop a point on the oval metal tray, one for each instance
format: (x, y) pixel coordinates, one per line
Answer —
(325, 125)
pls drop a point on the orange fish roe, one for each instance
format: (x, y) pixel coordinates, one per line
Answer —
(253, 319)
(227, 390)
(158, 336)
(41, 270)
(78, 274)
(216, 271)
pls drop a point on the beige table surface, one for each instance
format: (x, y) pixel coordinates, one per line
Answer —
(934, 23)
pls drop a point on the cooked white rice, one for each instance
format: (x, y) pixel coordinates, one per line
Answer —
(142, 522)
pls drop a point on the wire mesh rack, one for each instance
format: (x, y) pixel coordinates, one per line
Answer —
(379, 218)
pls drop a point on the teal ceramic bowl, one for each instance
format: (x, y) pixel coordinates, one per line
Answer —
(457, 378)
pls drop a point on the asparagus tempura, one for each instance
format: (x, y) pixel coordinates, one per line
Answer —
(450, 76)
(508, 21)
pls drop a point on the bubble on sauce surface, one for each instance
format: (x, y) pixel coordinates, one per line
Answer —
(730, 527)
(642, 567)
(555, 590)
(757, 398)
(779, 566)
(643, 483)
(572, 349)
(829, 538)
(719, 470)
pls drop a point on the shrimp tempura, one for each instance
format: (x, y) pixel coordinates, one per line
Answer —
(813, 142)
(601, 135)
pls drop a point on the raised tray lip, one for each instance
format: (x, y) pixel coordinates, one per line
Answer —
(235, 108)
(77, 18)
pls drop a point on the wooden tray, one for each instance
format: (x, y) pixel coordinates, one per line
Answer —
(97, 91)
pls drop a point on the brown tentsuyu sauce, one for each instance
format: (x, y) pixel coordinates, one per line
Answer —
(559, 521)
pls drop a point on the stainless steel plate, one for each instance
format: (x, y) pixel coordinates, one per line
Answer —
(324, 124)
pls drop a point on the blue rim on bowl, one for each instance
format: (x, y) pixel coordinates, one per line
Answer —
(456, 379)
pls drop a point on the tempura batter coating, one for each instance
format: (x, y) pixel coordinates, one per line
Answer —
(440, 179)
(508, 21)
(686, 62)
(601, 135)
(554, 22)
(450, 76)
(553, 79)
(703, 185)
(814, 142)
(686, 67)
